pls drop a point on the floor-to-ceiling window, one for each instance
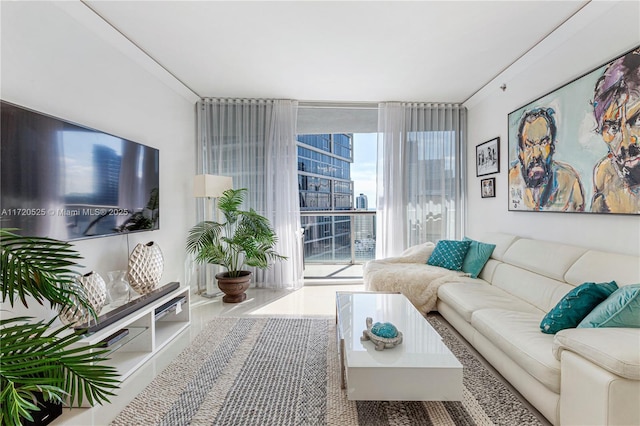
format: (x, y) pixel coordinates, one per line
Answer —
(337, 173)
(338, 166)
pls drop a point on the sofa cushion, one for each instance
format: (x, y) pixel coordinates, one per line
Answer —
(546, 258)
(614, 349)
(449, 254)
(621, 309)
(467, 297)
(518, 336)
(600, 266)
(477, 256)
(501, 240)
(488, 270)
(575, 305)
(542, 292)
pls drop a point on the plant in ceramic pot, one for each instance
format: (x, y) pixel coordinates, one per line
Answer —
(39, 361)
(244, 239)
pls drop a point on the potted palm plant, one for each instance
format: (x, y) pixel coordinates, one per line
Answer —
(39, 363)
(244, 239)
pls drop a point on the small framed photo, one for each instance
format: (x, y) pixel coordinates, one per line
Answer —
(488, 157)
(488, 187)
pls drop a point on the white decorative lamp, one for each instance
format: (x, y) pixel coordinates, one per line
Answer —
(210, 187)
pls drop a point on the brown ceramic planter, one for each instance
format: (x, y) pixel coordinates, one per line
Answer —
(234, 288)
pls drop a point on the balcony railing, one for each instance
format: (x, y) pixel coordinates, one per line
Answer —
(339, 237)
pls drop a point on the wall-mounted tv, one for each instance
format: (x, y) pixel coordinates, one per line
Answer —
(66, 181)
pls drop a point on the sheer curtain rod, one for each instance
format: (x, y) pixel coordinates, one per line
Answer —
(362, 106)
(375, 106)
(310, 105)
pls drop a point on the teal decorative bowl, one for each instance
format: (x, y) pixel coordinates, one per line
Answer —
(386, 330)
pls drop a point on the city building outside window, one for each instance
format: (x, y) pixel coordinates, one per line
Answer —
(325, 182)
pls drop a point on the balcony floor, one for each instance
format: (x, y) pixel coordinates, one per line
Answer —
(316, 271)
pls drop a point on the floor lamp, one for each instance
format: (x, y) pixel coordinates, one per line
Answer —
(210, 187)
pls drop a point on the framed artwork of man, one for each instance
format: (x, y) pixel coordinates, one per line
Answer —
(577, 149)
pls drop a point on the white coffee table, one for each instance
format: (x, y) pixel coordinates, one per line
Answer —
(422, 368)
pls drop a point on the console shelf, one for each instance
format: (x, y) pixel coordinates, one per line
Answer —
(148, 329)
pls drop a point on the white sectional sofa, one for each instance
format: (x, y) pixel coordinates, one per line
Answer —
(579, 376)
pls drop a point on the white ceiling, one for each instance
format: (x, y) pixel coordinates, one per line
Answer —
(370, 51)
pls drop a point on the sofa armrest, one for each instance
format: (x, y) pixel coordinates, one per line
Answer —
(616, 350)
(591, 395)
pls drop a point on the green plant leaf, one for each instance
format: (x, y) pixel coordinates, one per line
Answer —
(40, 268)
(230, 202)
(35, 357)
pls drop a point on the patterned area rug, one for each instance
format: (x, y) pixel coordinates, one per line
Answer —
(285, 371)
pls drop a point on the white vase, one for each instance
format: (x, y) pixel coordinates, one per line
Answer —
(118, 288)
(145, 267)
(96, 293)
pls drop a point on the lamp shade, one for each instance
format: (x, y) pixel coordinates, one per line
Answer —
(211, 185)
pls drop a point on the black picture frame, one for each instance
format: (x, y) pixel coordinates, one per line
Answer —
(488, 157)
(488, 187)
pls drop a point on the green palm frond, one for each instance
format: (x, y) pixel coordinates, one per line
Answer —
(230, 202)
(37, 358)
(204, 241)
(17, 403)
(253, 224)
(202, 235)
(40, 268)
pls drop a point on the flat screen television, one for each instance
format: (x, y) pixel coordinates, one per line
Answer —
(69, 182)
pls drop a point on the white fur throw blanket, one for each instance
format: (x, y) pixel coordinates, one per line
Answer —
(410, 275)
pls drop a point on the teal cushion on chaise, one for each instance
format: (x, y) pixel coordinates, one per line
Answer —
(477, 256)
(449, 254)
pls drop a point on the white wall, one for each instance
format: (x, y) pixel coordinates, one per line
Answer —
(600, 32)
(60, 59)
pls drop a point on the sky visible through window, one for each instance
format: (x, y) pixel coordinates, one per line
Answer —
(363, 169)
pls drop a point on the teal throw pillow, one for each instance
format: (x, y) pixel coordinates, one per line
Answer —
(576, 305)
(477, 256)
(621, 309)
(449, 254)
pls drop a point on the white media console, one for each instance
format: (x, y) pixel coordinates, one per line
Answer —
(138, 335)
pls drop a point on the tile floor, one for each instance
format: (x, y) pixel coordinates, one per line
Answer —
(312, 300)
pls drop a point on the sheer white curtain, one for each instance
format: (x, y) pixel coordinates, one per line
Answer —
(254, 141)
(420, 174)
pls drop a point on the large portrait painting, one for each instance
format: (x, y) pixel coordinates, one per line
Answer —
(577, 149)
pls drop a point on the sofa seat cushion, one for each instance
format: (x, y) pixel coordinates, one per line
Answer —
(518, 335)
(614, 349)
(467, 297)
